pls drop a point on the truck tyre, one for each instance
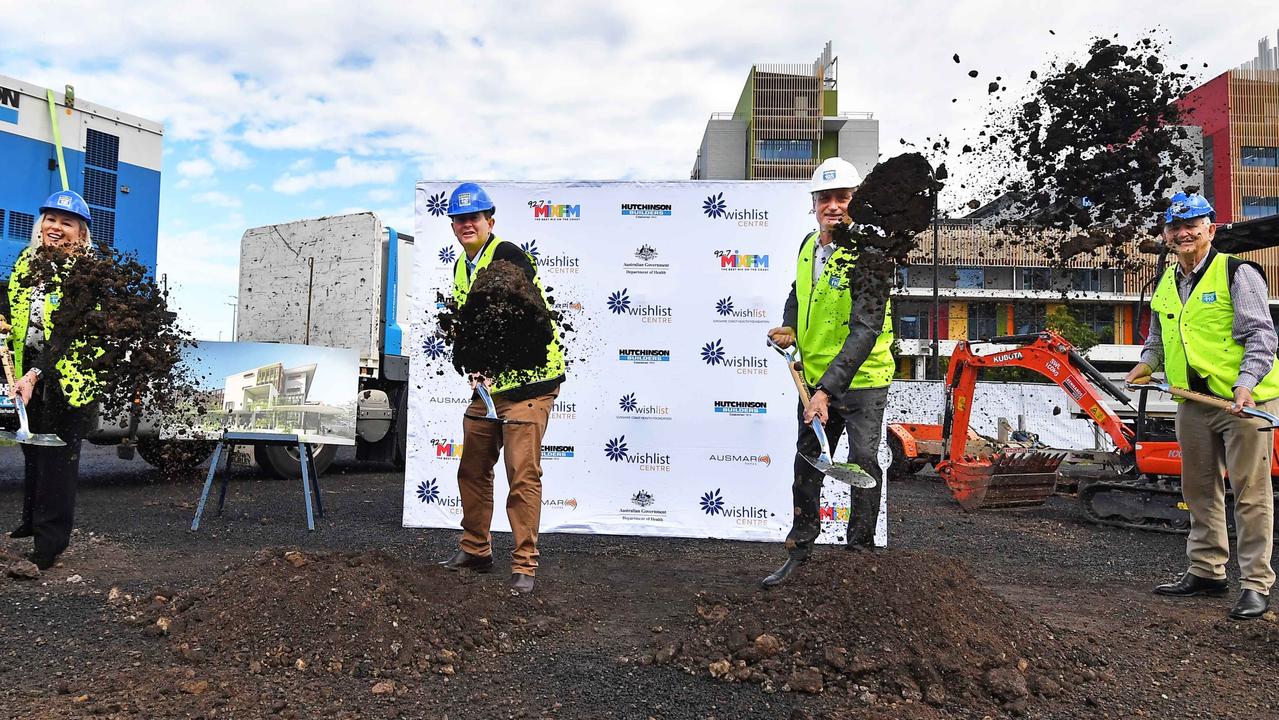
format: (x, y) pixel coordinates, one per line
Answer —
(174, 457)
(282, 460)
(901, 466)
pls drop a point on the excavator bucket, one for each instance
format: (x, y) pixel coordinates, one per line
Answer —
(1009, 478)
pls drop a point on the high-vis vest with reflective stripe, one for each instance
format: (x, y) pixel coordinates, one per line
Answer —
(77, 384)
(824, 310)
(554, 366)
(1200, 333)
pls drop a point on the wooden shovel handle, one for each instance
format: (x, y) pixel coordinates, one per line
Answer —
(6, 358)
(799, 382)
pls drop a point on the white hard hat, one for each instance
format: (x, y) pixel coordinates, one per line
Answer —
(835, 173)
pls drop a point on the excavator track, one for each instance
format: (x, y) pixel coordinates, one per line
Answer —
(1138, 504)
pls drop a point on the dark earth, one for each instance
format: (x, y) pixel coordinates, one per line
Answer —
(504, 326)
(1029, 613)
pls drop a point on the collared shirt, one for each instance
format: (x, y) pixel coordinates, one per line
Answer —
(1253, 327)
(821, 254)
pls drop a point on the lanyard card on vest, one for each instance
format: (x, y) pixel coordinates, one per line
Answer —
(824, 313)
(1198, 334)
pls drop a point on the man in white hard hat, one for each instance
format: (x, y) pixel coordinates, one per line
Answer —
(843, 336)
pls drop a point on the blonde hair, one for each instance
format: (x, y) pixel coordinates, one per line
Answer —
(37, 239)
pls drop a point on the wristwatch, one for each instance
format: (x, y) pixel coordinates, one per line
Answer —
(37, 372)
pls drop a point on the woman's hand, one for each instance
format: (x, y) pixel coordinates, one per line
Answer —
(24, 387)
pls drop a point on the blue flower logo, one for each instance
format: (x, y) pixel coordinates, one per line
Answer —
(427, 492)
(447, 255)
(713, 352)
(615, 449)
(437, 204)
(714, 206)
(530, 248)
(619, 302)
(628, 403)
(433, 347)
(724, 306)
(713, 503)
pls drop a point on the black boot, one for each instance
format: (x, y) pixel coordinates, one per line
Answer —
(1251, 605)
(23, 530)
(780, 574)
(1189, 585)
(463, 560)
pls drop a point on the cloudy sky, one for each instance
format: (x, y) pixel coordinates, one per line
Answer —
(280, 111)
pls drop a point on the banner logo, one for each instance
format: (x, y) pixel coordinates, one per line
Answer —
(643, 357)
(447, 255)
(716, 208)
(643, 499)
(729, 312)
(645, 210)
(645, 255)
(741, 407)
(563, 410)
(433, 347)
(548, 210)
(557, 451)
(713, 503)
(560, 503)
(447, 448)
(764, 460)
(619, 303)
(713, 354)
(437, 204)
(428, 492)
(551, 264)
(633, 410)
(736, 261)
(646, 252)
(617, 450)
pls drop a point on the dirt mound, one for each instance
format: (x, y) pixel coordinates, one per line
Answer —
(879, 629)
(363, 615)
(504, 326)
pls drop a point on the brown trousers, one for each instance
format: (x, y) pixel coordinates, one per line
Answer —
(1211, 441)
(522, 445)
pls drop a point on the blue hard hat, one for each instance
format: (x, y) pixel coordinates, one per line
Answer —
(68, 202)
(469, 198)
(1185, 206)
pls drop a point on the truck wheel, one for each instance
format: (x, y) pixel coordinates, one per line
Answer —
(901, 466)
(174, 457)
(282, 460)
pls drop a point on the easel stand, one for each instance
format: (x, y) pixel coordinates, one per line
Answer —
(310, 481)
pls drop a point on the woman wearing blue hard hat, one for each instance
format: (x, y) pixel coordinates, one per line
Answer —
(56, 391)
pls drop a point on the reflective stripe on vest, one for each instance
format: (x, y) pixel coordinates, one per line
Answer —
(824, 310)
(462, 281)
(77, 384)
(1200, 334)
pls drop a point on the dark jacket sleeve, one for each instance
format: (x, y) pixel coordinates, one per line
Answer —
(790, 313)
(865, 323)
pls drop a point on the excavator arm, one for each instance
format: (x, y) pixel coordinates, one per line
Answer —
(1018, 476)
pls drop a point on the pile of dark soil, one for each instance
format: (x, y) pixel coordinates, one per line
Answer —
(110, 302)
(361, 614)
(505, 325)
(879, 630)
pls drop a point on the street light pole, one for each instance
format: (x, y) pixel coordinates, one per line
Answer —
(235, 314)
(936, 324)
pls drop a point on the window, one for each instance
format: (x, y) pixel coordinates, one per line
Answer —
(1029, 318)
(1087, 279)
(1100, 318)
(914, 320)
(1259, 157)
(783, 150)
(903, 276)
(981, 321)
(1257, 207)
(970, 278)
(1208, 170)
(1036, 278)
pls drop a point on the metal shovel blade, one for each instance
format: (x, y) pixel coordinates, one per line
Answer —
(847, 473)
(491, 412)
(24, 434)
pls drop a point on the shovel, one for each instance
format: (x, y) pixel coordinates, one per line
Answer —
(1272, 422)
(24, 434)
(491, 414)
(847, 473)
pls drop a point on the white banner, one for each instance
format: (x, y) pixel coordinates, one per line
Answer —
(676, 418)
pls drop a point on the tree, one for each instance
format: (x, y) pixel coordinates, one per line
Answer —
(1063, 322)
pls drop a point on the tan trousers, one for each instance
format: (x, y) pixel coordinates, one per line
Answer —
(481, 442)
(1211, 441)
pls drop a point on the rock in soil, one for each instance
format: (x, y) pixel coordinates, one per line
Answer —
(24, 570)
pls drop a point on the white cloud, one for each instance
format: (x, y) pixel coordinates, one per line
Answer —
(197, 168)
(217, 199)
(381, 195)
(227, 156)
(346, 172)
(254, 187)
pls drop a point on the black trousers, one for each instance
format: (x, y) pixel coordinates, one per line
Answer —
(49, 483)
(860, 413)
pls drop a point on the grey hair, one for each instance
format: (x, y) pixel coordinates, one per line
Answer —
(37, 239)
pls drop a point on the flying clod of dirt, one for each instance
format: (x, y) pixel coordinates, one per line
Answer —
(505, 325)
(1094, 147)
(111, 303)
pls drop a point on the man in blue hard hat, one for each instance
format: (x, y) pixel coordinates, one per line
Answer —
(1211, 331)
(524, 397)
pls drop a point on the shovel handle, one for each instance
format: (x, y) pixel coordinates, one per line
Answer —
(799, 382)
(1211, 400)
(6, 358)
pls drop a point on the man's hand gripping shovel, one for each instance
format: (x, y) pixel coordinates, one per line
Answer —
(847, 473)
(491, 412)
(24, 434)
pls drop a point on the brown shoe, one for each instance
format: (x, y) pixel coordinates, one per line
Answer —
(463, 560)
(520, 583)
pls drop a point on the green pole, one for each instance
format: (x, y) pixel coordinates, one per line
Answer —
(57, 138)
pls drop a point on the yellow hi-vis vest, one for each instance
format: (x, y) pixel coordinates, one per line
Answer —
(554, 366)
(1199, 335)
(78, 384)
(824, 310)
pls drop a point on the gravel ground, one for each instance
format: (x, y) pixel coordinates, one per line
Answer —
(256, 633)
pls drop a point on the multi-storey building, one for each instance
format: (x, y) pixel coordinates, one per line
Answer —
(786, 122)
